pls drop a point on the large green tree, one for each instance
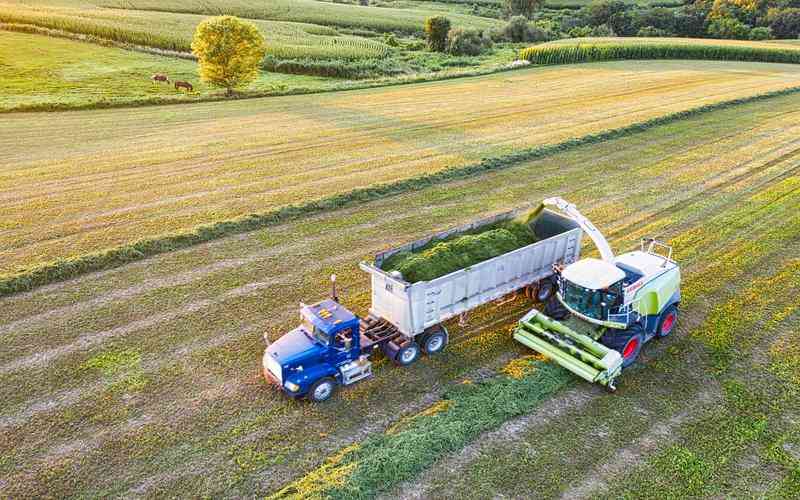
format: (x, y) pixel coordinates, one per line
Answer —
(229, 51)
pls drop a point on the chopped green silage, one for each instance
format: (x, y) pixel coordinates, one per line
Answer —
(441, 257)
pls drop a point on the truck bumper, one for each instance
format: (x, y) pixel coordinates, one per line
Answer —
(271, 380)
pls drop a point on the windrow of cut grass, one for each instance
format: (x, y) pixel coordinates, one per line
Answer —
(143, 380)
(588, 51)
(110, 189)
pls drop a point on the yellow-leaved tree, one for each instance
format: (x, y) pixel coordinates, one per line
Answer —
(229, 51)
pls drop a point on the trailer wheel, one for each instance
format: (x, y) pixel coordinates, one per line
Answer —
(322, 389)
(626, 342)
(545, 290)
(408, 354)
(435, 341)
(666, 322)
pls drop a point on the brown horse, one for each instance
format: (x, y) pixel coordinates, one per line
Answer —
(160, 77)
(185, 85)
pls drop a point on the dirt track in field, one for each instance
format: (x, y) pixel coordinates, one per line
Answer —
(186, 405)
(72, 183)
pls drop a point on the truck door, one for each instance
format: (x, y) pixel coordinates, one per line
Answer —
(343, 345)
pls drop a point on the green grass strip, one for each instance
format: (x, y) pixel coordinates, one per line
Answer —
(63, 269)
(384, 460)
(589, 52)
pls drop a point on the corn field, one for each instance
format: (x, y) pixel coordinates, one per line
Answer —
(568, 54)
(306, 11)
(171, 31)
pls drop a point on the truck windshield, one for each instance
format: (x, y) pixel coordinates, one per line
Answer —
(592, 303)
(315, 332)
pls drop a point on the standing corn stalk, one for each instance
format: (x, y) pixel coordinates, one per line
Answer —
(229, 51)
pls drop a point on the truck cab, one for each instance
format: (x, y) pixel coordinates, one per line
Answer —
(323, 351)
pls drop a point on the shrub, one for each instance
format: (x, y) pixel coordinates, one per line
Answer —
(651, 31)
(727, 27)
(760, 33)
(229, 51)
(524, 8)
(611, 13)
(784, 23)
(659, 18)
(436, 29)
(517, 29)
(580, 32)
(691, 20)
(390, 40)
(588, 31)
(461, 42)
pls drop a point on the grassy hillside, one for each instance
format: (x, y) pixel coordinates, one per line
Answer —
(80, 182)
(40, 72)
(144, 380)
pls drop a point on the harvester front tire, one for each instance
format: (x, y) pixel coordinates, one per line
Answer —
(322, 390)
(666, 323)
(626, 342)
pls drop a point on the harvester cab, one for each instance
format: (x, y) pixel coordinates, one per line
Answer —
(615, 305)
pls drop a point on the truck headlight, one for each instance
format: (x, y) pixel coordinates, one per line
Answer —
(291, 386)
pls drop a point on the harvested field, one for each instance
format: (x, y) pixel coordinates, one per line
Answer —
(144, 380)
(79, 182)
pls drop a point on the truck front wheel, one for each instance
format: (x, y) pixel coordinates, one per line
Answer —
(435, 341)
(322, 390)
(408, 354)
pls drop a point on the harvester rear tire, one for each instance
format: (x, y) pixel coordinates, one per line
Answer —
(666, 322)
(626, 342)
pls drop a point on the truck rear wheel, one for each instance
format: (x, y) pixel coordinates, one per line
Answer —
(626, 342)
(434, 341)
(408, 354)
(322, 390)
